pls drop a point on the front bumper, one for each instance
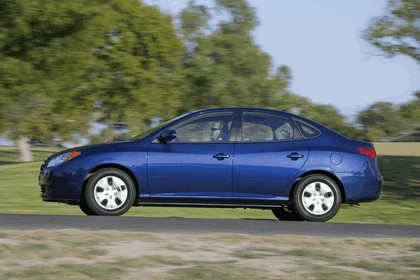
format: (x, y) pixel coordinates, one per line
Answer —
(56, 185)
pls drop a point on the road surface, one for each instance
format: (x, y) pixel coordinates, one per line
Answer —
(202, 226)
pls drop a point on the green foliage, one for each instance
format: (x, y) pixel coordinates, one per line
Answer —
(225, 67)
(243, 15)
(374, 134)
(137, 66)
(381, 119)
(411, 111)
(397, 31)
(60, 57)
(194, 20)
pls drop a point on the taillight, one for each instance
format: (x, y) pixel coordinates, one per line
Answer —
(367, 151)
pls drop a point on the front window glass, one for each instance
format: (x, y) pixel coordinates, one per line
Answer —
(263, 127)
(210, 128)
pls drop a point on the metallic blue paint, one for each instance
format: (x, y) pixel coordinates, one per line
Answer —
(189, 170)
(264, 170)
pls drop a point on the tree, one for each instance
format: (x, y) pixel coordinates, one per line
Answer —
(36, 69)
(411, 111)
(194, 21)
(18, 97)
(397, 31)
(380, 120)
(137, 65)
(225, 67)
(58, 58)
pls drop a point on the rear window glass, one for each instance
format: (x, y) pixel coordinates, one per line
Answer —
(263, 127)
(308, 131)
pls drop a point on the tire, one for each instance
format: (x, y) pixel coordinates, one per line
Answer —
(109, 192)
(316, 198)
(285, 214)
(85, 209)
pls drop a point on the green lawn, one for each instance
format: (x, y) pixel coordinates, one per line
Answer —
(400, 203)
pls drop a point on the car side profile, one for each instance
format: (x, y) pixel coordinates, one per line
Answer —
(225, 157)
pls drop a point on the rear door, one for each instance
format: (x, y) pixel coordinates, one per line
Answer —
(269, 153)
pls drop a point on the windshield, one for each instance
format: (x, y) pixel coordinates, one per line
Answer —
(154, 129)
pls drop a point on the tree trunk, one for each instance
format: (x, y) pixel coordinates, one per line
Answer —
(24, 149)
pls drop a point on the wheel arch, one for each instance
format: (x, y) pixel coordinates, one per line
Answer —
(116, 166)
(320, 172)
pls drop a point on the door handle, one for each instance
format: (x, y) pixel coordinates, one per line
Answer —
(294, 156)
(221, 156)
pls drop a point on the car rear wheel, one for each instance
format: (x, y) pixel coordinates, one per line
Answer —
(316, 198)
(109, 192)
(285, 214)
(85, 209)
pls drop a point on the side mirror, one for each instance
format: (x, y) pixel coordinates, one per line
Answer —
(167, 136)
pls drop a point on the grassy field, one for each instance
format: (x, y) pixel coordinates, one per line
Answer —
(74, 254)
(400, 203)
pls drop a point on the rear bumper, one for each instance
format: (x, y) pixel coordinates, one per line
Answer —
(363, 186)
(364, 190)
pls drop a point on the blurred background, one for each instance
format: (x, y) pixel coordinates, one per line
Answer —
(79, 72)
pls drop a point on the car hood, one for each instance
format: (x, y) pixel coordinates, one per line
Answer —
(126, 145)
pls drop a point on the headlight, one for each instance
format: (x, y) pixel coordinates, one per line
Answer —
(62, 158)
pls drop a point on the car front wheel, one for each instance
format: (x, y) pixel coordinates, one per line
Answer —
(109, 192)
(316, 198)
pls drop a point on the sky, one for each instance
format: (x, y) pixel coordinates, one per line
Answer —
(321, 41)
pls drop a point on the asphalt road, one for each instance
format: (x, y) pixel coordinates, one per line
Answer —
(200, 226)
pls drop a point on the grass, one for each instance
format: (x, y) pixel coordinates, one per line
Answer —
(400, 203)
(111, 255)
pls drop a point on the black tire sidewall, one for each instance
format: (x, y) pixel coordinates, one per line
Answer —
(85, 209)
(297, 203)
(90, 197)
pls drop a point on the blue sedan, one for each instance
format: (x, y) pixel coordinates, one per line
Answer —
(227, 157)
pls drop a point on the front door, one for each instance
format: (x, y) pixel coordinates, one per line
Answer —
(197, 163)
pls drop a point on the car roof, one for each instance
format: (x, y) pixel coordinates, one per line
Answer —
(253, 109)
(240, 109)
